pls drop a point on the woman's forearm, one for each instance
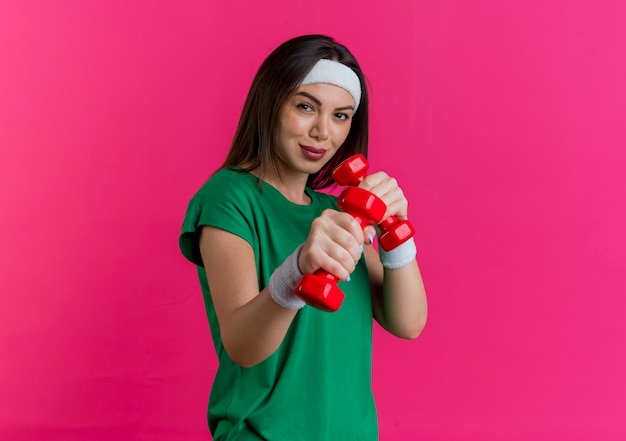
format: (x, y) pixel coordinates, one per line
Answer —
(404, 301)
(398, 297)
(254, 331)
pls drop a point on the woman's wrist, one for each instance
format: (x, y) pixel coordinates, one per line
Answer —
(283, 281)
(400, 256)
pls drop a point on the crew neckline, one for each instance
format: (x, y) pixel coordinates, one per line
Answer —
(266, 185)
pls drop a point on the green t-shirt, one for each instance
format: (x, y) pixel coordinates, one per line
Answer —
(317, 385)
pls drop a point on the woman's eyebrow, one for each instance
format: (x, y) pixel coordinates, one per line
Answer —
(319, 103)
(311, 97)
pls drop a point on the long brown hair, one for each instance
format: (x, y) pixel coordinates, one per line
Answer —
(277, 78)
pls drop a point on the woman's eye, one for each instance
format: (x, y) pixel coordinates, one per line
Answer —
(304, 107)
(341, 116)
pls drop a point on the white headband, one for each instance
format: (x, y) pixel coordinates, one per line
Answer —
(337, 74)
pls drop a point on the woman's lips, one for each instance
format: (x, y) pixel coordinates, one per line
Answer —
(312, 152)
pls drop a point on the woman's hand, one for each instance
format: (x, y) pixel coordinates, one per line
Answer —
(387, 188)
(333, 244)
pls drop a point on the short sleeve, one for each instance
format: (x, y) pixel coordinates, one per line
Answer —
(217, 208)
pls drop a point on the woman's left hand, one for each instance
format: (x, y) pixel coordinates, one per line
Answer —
(387, 188)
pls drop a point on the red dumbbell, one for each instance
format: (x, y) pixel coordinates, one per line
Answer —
(320, 289)
(393, 231)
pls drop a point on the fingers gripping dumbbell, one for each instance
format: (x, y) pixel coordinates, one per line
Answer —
(320, 289)
(393, 231)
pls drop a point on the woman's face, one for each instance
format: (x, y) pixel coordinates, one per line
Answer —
(314, 123)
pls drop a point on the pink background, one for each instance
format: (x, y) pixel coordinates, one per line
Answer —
(503, 121)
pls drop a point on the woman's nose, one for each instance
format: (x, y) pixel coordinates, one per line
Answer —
(319, 130)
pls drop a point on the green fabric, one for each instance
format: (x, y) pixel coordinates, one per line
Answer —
(317, 385)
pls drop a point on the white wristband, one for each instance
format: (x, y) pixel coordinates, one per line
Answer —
(284, 279)
(400, 256)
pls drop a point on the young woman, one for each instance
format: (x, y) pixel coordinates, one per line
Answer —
(288, 371)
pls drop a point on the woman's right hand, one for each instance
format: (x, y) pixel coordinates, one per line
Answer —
(333, 244)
